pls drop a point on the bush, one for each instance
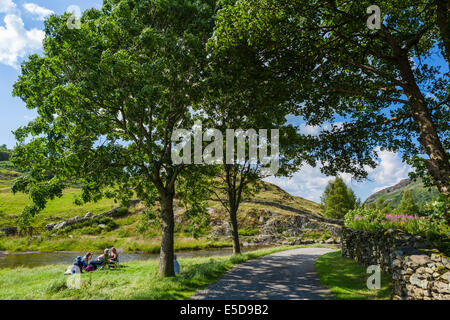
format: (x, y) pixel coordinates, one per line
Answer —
(320, 235)
(90, 226)
(248, 231)
(122, 211)
(91, 230)
(374, 219)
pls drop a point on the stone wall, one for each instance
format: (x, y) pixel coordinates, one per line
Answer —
(418, 272)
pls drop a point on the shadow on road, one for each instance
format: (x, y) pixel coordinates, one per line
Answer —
(280, 276)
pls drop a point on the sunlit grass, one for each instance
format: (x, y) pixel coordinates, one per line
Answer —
(347, 279)
(135, 280)
(13, 204)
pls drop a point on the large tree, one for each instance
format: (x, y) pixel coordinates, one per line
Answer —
(109, 95)
(381, 85)
(239, 178)
(252, 104)
(338, 199)
(407, 205)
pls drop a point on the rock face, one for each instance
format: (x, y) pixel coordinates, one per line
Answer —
(221, 229)
(294, 225)
(416, 274)
(88, 216)
(274, 227)
(60, 225)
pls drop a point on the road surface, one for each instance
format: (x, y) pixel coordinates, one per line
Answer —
(286, 275)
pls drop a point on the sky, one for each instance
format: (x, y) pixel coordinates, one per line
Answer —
(21, 34)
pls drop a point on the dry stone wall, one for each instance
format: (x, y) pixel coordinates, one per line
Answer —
(418, 271)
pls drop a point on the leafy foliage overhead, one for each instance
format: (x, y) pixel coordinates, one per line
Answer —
(376, 87)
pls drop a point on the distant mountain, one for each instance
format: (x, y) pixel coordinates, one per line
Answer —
(393, 195)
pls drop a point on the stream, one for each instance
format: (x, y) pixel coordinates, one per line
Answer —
(36, 259)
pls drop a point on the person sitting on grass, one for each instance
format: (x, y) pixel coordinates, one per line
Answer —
(78, 264)
(113, 255)
(100, 259)
(86, 259)
(77, 267)
(176, 265)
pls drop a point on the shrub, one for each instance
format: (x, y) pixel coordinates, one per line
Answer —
(91, 230)
(90, 226)
(122, 211)
(374, 219)
(320, 235)
(248, 231)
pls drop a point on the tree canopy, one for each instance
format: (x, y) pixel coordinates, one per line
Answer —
(374, 88)
(108, 97)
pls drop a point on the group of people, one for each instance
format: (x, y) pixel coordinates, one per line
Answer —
(109, 256)
(86, 263)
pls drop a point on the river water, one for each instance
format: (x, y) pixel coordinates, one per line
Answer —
(36, 259)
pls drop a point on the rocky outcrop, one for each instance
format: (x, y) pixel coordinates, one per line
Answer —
(271, 222)
(295, 225)
(297, 211)
(279, 228)
(88, 216)
(417, 270)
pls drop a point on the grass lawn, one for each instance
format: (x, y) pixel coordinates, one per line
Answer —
(12, 205)
(135, 280)
(347, 279)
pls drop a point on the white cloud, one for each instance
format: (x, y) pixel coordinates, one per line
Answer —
(308, 183)
(7, 6)
(16, 42)
(316, 130)
(38, 11)
(390, 170)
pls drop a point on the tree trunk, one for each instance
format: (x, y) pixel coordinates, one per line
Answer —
(233, 207)
(443, 22)
(166, 254)
(235, 230)
(438, 165)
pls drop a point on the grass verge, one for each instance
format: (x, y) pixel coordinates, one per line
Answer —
(135, 280)
(347, 279)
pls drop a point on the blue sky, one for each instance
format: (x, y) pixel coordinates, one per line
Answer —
(21, 24)
(16, 44)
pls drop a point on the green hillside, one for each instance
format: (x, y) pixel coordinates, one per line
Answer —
(393, 195)
(126, 230)
(11, 205)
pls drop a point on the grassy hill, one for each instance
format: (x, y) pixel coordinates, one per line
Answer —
(393, 195)
(125, 231)
(63, 208)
